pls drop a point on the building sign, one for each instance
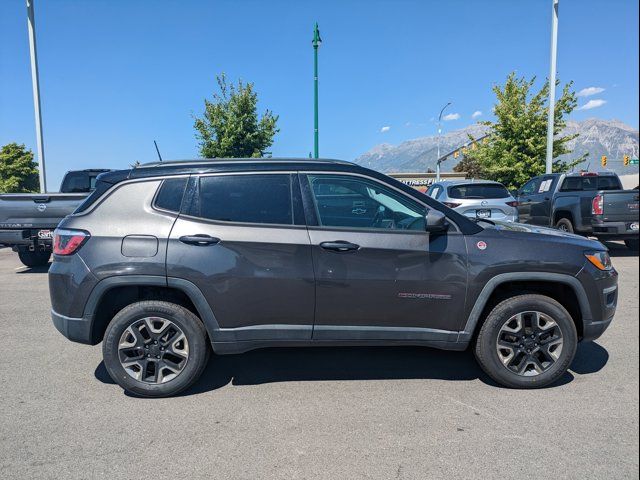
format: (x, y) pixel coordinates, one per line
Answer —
(422, 181)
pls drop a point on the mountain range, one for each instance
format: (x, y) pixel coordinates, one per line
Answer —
(597, 137)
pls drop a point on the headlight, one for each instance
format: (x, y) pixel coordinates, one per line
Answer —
(601, 260)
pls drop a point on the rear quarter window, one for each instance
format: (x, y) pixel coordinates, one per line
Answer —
(170, 194)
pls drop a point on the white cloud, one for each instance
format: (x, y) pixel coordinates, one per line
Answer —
(592, 104)
(587, 92)
(385, 129)
(451, 116)
(476, 114)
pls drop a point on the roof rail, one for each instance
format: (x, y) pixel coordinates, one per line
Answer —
(201, 161)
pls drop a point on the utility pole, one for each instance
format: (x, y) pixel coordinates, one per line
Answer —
(439, 133)
(317, 41)
(31, 23)
(552, 84)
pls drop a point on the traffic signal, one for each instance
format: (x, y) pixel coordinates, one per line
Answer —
(625, 160)
(603, 160)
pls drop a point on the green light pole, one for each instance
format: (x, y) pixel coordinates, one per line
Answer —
(317, 41)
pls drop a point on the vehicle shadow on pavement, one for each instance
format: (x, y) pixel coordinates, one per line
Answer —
(619, 250)
(272, 365)
(42, 269)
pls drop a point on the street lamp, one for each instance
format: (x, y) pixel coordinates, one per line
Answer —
(316, 42)
(439, 133)
(31, 25)
(552, 86)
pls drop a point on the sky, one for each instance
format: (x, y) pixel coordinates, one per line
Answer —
(116, 75)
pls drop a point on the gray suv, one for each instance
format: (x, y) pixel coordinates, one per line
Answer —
(164, 261)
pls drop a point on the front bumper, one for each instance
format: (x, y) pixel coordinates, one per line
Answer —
(601, 288)
(75, 329)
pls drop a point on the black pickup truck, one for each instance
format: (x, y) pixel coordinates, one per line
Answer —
(27, 220)
(586, 203)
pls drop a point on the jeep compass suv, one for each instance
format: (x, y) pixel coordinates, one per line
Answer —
(164, 262)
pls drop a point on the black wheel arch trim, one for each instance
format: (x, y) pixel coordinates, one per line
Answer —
(480, 303)
(190, 289)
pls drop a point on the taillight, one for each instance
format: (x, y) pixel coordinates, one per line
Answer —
(597, 205)
(452, 204)
(513, 204)
(67, 241)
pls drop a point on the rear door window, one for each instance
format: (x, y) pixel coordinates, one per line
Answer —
(254, 198)
(478, 190)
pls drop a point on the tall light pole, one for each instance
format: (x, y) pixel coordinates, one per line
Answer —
(31, 24)
(317, 41)
(439, 133)
(552, 85)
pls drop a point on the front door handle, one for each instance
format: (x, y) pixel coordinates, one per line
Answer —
(340, 246)
(199, 239)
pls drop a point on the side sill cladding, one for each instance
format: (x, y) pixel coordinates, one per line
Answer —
(466, 335)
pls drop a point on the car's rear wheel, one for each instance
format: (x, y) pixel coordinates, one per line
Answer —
(632, 244)
(155, 349)
(37, 258)
(527, 341)
(565, 225)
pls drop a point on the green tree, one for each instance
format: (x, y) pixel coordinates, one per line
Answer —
(230, 126)
(515, 149)
(18, 171)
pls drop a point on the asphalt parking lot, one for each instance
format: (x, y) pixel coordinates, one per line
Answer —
(344, 413)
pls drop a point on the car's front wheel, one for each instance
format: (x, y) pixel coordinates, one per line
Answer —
(155, 349)
(527, 341)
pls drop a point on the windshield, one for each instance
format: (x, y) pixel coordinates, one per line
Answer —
(478, 190)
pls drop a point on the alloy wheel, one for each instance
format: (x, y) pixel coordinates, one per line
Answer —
(153, 350)
(529, 343)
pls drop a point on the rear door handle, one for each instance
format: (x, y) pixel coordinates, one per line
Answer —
(340, 246)
(199, 239)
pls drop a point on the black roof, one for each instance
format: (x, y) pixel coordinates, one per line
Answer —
(185, 167)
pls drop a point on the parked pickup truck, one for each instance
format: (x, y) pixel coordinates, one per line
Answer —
(587, 203)
(27, 220)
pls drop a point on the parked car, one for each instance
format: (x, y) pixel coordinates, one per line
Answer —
(586, 203)
(27, 220)
(476, 199)
(167, 260)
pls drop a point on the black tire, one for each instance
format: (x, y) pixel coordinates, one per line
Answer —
(196, 336)
(632, 244)
(565, 225)
(486, 348)
(37, 258)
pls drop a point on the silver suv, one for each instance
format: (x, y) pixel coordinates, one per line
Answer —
(476, 199)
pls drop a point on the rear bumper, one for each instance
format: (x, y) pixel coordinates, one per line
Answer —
(75, 329)
(15, 237)
(24, 238)
(614, 230)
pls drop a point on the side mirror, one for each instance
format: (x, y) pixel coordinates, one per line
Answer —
(435, 221)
